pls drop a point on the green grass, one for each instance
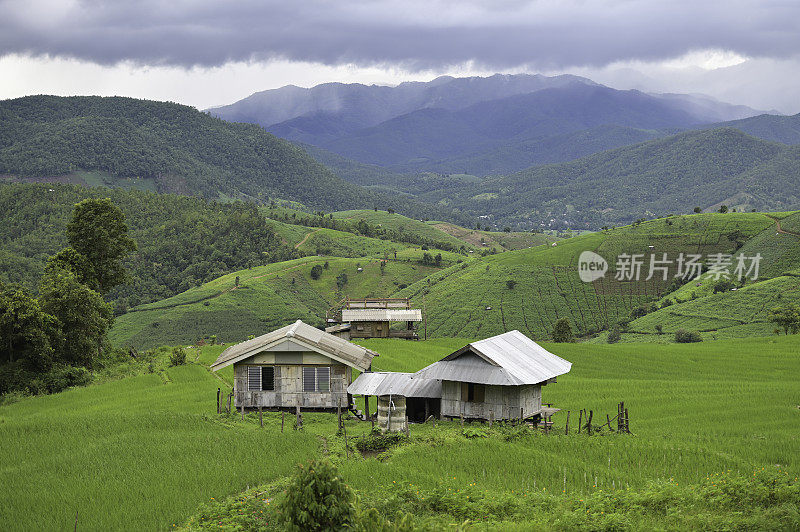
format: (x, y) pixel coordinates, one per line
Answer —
(473, 299)
(135, 454)
(151, 444)
(400, 224)
(268, 297)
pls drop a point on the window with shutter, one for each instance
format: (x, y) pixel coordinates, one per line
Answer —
(268, 378)
(253, 378)
(324, 379)
(309, 380)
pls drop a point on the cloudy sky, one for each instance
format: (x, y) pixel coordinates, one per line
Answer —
(206, 53)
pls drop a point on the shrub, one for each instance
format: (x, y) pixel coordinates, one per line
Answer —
(318, 499)
(177, 357)
(376, 441)
(682, 336)
(562, 331)
(511, 283)
(316, 272)
(614, 336)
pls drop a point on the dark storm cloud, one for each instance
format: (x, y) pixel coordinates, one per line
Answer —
(424, 34)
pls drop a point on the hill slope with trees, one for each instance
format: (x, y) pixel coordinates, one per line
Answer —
(177, 147)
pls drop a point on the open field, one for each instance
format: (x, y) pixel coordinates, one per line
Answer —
(708, 410)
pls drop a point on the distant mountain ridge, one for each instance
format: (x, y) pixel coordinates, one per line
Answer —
(481, 126)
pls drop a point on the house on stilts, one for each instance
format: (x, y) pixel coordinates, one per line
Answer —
(498, 378)
(294, 366)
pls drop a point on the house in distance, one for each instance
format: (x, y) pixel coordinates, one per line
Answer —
(294, 366)
(373, 318)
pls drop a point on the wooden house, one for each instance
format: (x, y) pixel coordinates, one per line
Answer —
(374, 318)
(294, 366)
(497, 378)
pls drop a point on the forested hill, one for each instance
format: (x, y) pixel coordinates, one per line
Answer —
(182, 241)
(181, 149)
(670, 175)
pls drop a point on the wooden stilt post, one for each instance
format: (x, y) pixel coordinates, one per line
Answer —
(366, 406)
(427, 408)
(299, 417)
(346, 450)
(260, 417)
(228, 408)
(283, 415)
(521, 415)
(339, 414)
(491, 418)
(241, 407)
(219, 391)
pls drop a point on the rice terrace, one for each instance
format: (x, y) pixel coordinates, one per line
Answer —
(363, 266)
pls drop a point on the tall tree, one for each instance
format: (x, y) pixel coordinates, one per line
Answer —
(26, 332)
(83, 315)
(98, 231)
(787, 317)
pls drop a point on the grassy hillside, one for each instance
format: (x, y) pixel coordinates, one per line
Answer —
(473, 299)
(401, 225)
(472, 296)
(267, 297)
(495, 240)
(176, 147)
(693, 462)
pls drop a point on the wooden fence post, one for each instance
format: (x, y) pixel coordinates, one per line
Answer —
(339, 414)
(589, 423)
(299, 418)
(283, 415)
(580, 421)
(228, 407)
(260, 417)
(242, 408)
(566, 429)
(627, 422)
(218, 405)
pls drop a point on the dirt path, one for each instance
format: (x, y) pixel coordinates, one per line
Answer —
(297, 246)
(779, 229)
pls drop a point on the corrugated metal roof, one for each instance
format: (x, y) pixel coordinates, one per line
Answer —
(509, 359)
(389, 383)
(413, 314)
(327, 344)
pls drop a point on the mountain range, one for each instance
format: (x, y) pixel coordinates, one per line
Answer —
(480, 126)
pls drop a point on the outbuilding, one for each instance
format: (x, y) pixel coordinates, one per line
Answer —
(497, 378)
(294, 366)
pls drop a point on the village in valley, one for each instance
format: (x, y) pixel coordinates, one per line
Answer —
(383, 266)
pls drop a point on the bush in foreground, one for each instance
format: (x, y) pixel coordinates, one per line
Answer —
(318, 499)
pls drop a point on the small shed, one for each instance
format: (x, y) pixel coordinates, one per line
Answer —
(420, 397)
(373, 318)
(294, 366)
(500, 377)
